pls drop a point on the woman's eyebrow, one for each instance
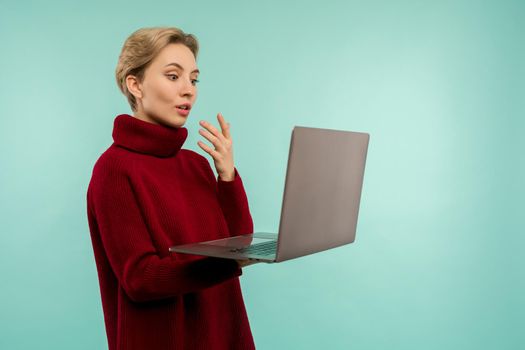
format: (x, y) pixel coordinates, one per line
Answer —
(178, 65)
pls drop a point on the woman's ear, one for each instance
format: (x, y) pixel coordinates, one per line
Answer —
(133, 86)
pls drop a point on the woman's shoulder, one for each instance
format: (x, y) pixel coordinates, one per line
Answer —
(116, 162)
(197, 162)
(113, 161)
(193, 156)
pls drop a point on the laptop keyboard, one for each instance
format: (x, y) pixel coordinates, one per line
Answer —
(264, 248)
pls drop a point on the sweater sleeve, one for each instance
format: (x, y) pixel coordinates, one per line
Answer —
(144, 275)
(234, 203)
(232, 200)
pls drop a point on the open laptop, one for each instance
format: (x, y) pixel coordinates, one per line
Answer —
(322, 192)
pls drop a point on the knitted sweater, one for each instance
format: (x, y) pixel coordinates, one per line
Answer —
(145, 195)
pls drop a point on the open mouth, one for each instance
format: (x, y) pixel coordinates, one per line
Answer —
(183, 110)
(185, 106)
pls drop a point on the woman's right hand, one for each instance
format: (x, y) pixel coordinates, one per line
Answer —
(244, 263)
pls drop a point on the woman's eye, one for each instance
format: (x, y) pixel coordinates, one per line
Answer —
(174, 77)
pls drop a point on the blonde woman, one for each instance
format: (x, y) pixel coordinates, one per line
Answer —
(147, 193)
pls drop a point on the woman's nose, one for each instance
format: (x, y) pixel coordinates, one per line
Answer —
(188, 89)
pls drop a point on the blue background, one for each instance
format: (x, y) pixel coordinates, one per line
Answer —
(439, 85)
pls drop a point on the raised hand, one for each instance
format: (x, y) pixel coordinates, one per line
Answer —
(223, 153)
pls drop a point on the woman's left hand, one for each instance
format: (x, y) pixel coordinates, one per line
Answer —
(223, 152)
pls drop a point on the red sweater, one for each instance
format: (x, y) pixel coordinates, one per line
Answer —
(145, 195)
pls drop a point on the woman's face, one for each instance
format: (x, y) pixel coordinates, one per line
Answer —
(169, 82)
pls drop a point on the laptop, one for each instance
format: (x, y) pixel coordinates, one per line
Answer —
(320, 205)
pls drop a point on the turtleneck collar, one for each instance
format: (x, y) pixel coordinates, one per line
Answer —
(145, 137)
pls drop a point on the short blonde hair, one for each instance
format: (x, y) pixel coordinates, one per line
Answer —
(141, 47)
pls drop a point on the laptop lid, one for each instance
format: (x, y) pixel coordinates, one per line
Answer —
(322, 193)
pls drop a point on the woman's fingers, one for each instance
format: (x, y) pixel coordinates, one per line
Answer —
(244, 263)
(208, 150)
(224, 125)
(221, 141)
(213, 139)
(212, 129)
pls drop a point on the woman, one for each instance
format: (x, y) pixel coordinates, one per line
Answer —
(147, 194)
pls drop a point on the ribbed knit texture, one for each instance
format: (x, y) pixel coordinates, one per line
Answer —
(145, 195)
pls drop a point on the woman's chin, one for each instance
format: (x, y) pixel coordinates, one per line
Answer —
(175, 121)
(170, 119)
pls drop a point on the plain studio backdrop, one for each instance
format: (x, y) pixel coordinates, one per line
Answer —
(439, 85)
